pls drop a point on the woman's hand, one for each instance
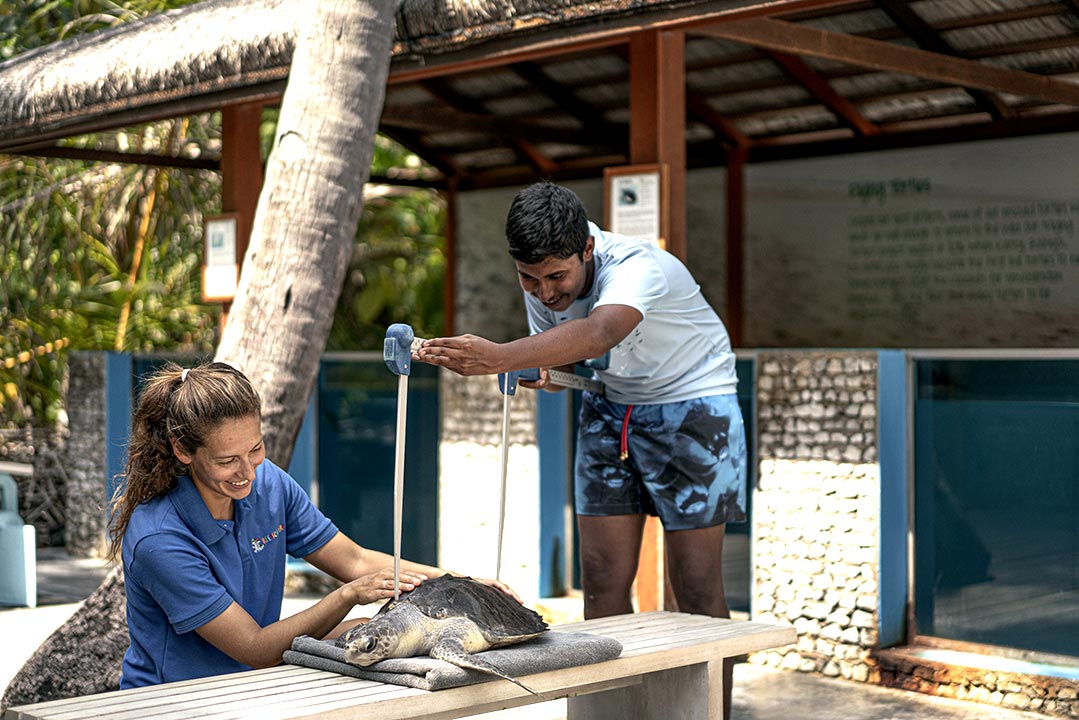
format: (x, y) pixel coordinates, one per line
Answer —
(379, 585)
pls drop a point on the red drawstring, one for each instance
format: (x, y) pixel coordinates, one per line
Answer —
(625, 434)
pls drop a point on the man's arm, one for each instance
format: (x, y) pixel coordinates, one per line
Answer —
(563, 344)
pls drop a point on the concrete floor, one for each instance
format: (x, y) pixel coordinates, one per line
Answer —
(759, 693)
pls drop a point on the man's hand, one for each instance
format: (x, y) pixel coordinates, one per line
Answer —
(464, 354)
(543, 383)
(498, 584)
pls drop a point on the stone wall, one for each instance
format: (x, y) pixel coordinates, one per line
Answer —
(41, 496)
(983, 680)
(85, 456)
(816, 511)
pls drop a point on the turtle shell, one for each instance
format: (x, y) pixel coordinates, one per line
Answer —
(498, 616)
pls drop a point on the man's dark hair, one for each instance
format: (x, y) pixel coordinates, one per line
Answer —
(544, 220)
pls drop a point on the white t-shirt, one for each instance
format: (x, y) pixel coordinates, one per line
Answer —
(679, 351)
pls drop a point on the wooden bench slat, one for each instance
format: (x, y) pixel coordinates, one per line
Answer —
(655, 642)
(145, 701)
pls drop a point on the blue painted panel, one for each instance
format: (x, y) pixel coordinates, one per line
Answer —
(357, 418)
(303, 465)
(737, 558)
(118, 408)
(556, 428)
(892, 400)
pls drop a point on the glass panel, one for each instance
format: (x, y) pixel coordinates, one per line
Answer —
(997, 502)
(737, 563)
(357, 423)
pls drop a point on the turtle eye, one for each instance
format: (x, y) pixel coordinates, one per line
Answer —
(368, 644)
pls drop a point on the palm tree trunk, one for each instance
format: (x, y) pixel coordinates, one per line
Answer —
(307, 215)
(308, 210)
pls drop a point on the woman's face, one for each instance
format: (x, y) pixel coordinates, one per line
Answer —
(224, 468)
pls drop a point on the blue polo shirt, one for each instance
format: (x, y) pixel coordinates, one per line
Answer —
(183, 568)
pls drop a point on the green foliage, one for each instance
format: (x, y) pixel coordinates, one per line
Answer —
(398, 263)
(96, 257)
(27, 24)
(99, 256)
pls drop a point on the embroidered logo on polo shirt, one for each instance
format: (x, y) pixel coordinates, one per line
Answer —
(259, 543)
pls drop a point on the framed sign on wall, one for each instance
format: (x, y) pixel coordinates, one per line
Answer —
(636, 201)
(220, 269)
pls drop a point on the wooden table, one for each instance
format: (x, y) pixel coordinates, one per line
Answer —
(670, 669)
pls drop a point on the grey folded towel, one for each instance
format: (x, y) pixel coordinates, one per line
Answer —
(549, 651)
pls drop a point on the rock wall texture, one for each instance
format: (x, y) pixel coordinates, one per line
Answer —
(816, 513)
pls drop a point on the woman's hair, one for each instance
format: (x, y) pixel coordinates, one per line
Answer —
(546, 219)
(181, 405)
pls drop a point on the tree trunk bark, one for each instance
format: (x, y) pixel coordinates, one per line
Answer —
(82, 656)
(308, 211)
(306, 219)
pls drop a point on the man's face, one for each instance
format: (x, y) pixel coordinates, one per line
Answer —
(557, 282)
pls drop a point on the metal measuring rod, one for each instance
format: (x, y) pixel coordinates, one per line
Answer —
(397, 354)
(507, 384)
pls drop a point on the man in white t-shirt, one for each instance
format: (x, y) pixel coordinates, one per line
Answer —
(666, 436)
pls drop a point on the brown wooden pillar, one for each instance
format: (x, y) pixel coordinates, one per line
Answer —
(657, 124)
(241, 173)
(736, 241)
(449, 278)
(657, 132)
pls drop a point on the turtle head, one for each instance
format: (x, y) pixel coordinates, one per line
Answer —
(368, 643)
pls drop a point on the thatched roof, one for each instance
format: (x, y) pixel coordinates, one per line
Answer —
(496, 91)
(132, 72)
(209, 53)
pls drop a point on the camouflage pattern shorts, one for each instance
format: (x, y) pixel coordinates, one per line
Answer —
(686, 461)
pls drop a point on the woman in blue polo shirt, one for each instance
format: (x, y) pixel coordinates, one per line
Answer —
(203, 524)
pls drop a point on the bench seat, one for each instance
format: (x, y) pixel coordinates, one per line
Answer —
(670, 668)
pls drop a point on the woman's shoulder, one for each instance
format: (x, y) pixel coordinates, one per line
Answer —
(156, 518)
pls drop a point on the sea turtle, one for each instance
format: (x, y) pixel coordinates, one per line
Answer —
(449, 618)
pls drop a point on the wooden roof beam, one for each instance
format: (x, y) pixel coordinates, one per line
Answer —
(784, 36)
(897, 33)
(421, 119)
(1071, 6)
(823, 91)
(443, 89)
(588, 115)
(414, 142)
(927, 38)
(698, 106)
(900, 136)
(115, 156)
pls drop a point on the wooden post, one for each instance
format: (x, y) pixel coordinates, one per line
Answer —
(241, 173)
(449, 279)
(736, 180)
(657, 134)
(657, 125)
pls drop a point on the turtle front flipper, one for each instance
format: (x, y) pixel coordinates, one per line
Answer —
(453, 651)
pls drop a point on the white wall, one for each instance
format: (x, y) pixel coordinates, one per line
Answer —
(970, 245)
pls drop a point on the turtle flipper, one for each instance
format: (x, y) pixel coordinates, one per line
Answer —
(452, 651)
